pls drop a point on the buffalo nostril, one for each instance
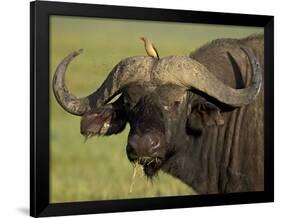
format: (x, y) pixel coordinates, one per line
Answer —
(152, 141)
(146, 145)
(155, 142)
(155, 145)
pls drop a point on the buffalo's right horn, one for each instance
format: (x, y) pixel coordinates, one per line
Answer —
(121, 75)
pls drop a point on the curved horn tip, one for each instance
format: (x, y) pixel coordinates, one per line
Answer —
(78, 52)
(71, 56)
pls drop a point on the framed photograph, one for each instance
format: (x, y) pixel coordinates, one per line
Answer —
(141, 109)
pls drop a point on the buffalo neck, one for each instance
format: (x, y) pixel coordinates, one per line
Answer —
(204, 162)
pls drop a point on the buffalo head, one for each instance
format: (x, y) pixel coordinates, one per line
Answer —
(158, 99)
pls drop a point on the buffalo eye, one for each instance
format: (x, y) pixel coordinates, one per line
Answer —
(173, 106)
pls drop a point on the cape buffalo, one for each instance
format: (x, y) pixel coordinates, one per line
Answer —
(198, 118)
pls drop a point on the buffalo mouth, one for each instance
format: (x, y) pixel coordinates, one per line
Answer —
(150, 165)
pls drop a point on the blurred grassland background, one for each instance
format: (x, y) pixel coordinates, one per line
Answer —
(99, 169)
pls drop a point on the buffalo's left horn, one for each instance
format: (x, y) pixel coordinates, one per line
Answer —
(194, 75)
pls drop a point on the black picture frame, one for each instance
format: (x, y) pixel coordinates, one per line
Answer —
(39, 107)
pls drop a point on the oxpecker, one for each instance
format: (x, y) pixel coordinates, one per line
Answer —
(150, 48)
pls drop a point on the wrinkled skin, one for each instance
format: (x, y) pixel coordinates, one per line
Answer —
(208, 145)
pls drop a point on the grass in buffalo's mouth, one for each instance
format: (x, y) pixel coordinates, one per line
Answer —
(136, 169)
(148, 161)
(140, 164)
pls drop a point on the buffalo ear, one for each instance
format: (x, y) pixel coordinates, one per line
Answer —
(103, 121)
(203, 114)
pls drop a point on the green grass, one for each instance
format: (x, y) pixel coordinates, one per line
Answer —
(99, 169)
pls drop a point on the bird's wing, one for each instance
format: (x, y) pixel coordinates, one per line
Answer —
(155, 50)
